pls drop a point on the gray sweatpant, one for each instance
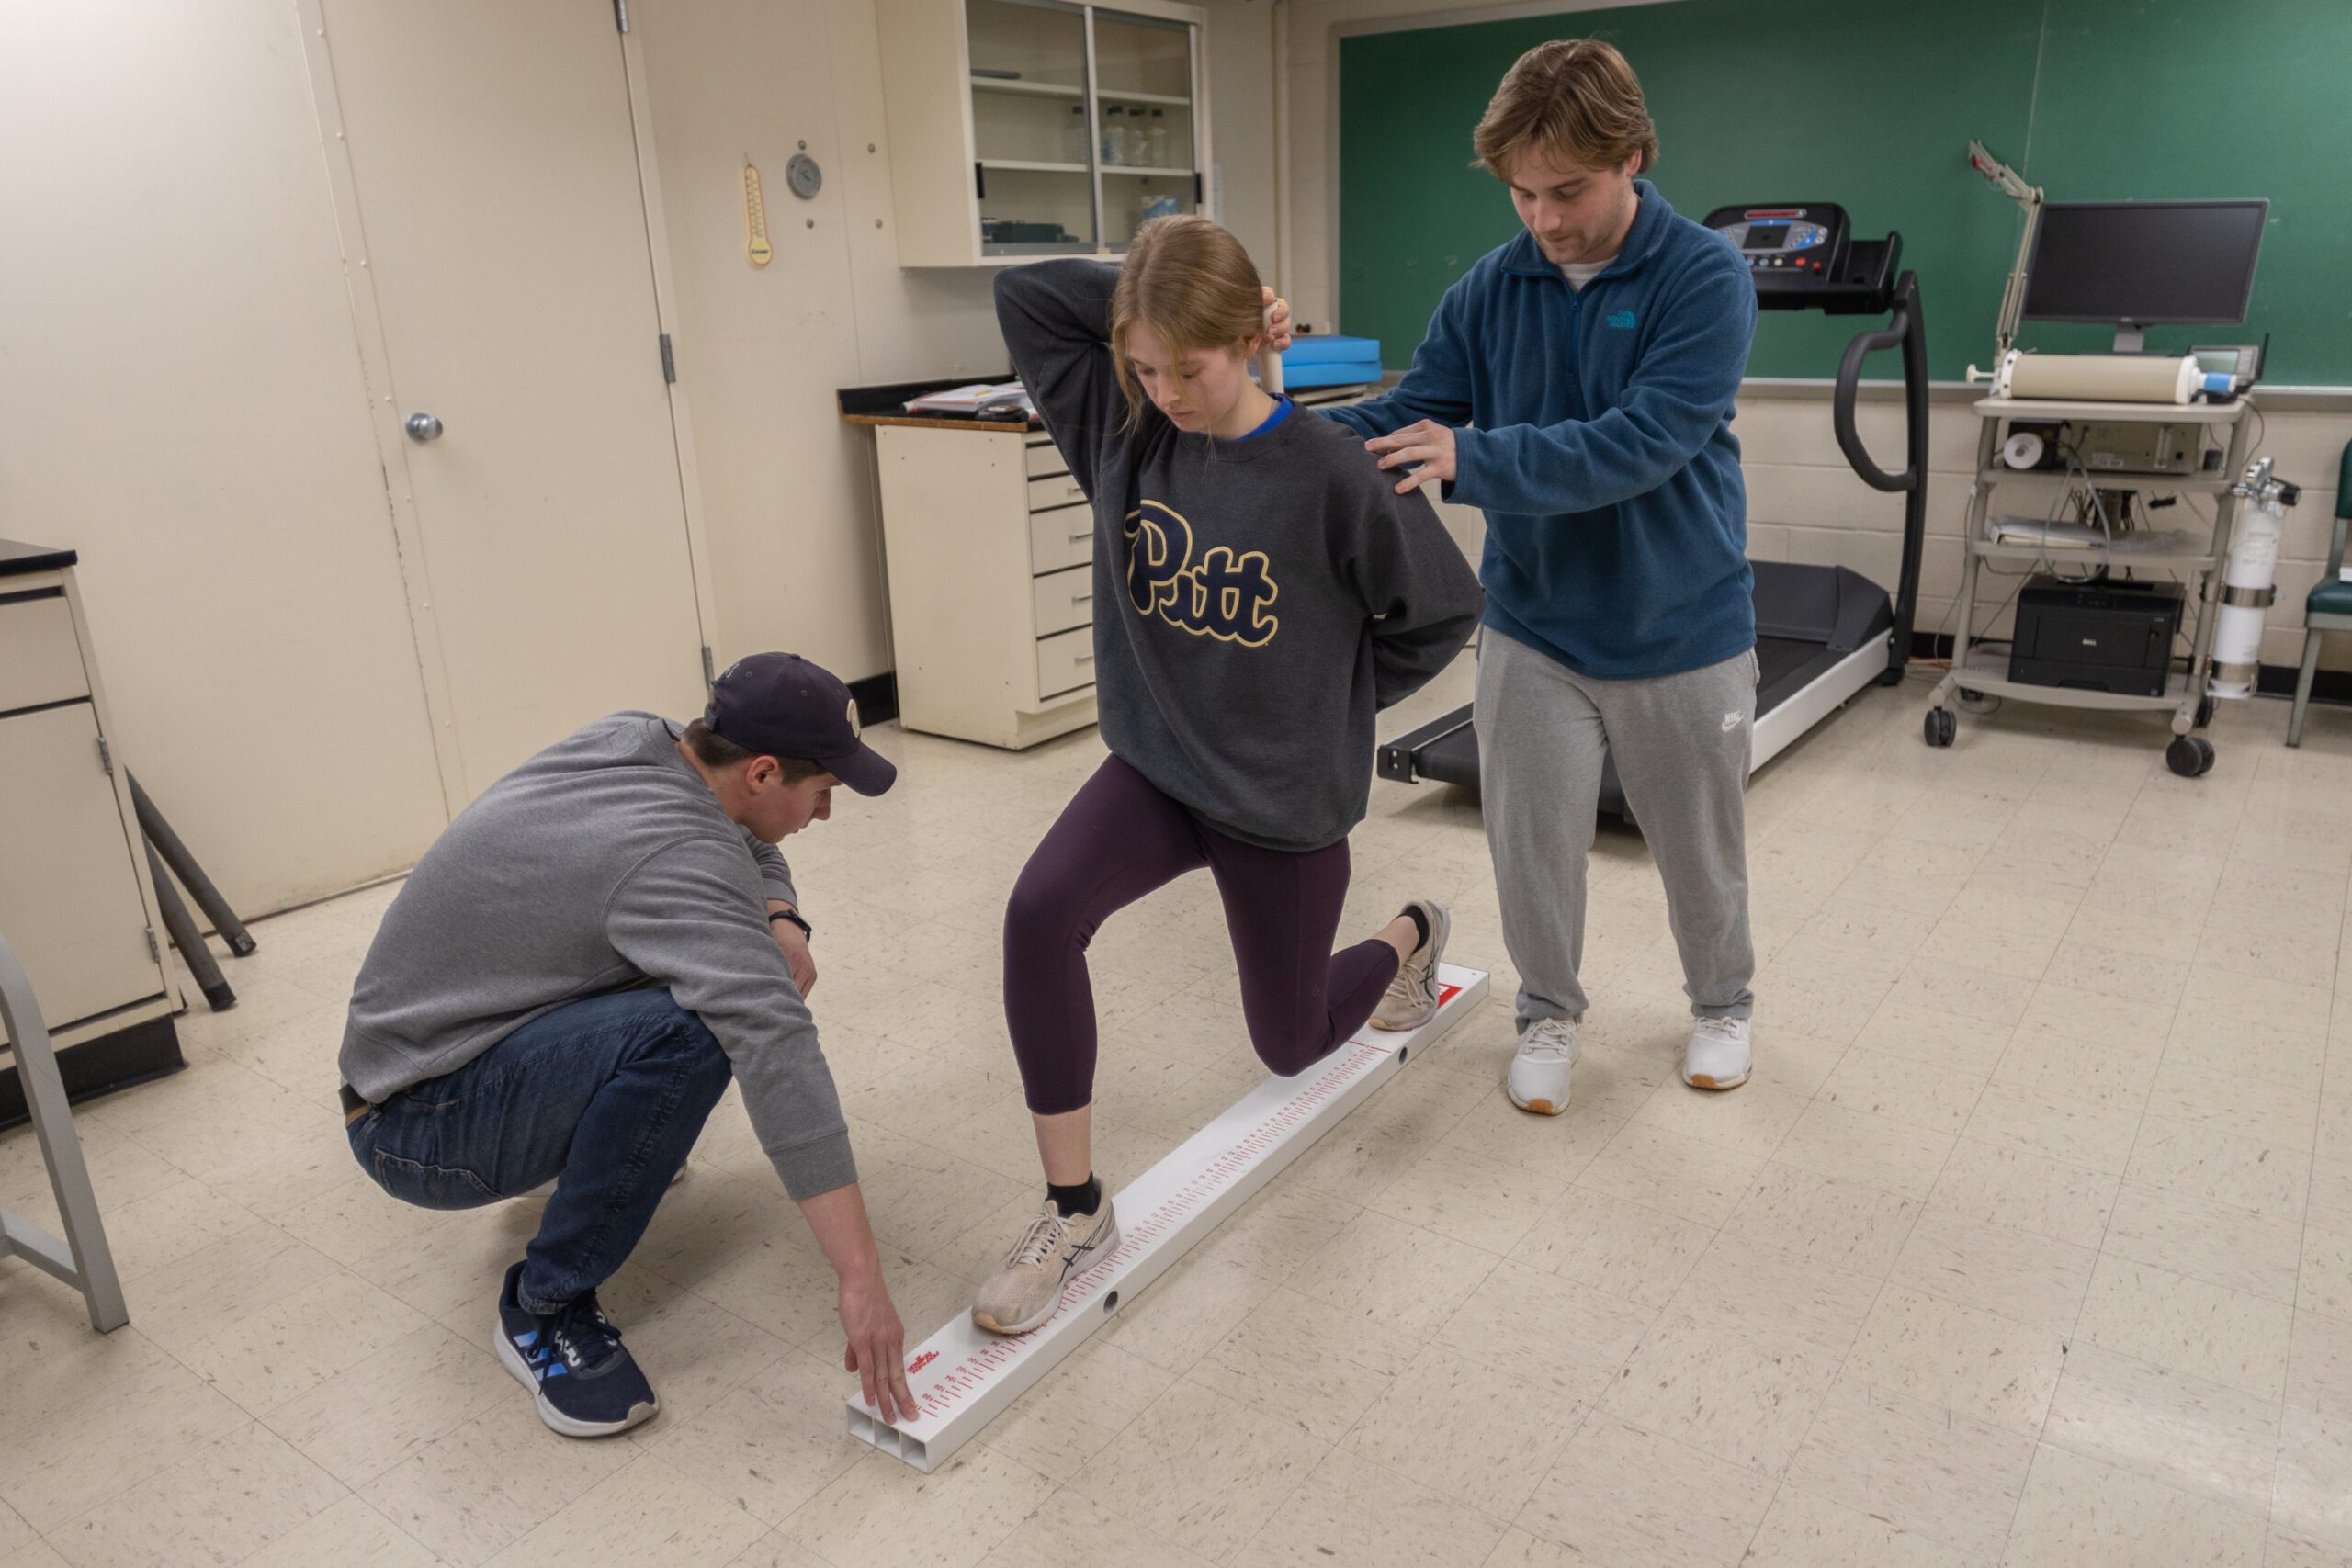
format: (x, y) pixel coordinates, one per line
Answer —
(1681, 746)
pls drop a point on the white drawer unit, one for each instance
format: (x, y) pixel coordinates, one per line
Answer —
(1059, 490)
(989, 547)
(1064, 600)
(76, 903)
(1063, 537)
(1067, 662)
(41, 661)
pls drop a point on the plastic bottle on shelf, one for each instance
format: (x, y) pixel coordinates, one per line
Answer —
(1075, 143)
(1155, 141)
(1114, 135)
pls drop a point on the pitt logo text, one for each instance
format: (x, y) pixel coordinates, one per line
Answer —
(1225, 596)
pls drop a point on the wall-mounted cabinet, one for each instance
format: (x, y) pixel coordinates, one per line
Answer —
(1036, 128)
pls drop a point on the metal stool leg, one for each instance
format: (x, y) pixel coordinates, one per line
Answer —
(83, 1259)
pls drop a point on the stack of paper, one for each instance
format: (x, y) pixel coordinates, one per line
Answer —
(992, 397)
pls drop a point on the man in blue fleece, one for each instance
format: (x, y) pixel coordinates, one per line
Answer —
(1577, 385)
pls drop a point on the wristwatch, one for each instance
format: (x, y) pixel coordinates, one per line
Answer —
(792, 915)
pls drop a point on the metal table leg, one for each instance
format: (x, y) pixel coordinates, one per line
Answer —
(83, 1259)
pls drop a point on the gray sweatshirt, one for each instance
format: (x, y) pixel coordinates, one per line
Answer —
(602, 864)
(1256, 601)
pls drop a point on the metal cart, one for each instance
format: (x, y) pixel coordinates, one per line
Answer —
(2184, 696)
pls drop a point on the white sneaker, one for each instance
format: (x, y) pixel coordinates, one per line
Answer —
(1718, 1055)
(1538, 1074)
(1411, 999)
(1028, 1289)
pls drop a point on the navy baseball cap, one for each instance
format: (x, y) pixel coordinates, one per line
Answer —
(781, 705)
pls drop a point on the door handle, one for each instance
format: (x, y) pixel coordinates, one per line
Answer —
(422, 427)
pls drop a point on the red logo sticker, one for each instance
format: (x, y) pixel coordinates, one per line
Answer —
(920, 1362)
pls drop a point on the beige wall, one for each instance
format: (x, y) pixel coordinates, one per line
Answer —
(185, 403)
(181, 402)
(787, 489)
(1241, 83)
(787, 497)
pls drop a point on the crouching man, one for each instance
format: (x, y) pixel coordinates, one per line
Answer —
(569, 980)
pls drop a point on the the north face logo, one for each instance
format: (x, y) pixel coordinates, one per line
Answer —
(1620, 317)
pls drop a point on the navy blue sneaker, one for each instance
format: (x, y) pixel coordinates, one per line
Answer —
(585, 1381)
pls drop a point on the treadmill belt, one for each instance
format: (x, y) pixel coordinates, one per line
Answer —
(1786, 666)
(1808, 618)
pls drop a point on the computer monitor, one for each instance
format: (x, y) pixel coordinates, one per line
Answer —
(2145, 264)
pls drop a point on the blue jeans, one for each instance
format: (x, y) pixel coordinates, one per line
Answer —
(606, 1095)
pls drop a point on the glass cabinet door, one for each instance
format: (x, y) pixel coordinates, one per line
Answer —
(1031, 129)
(1143, 91)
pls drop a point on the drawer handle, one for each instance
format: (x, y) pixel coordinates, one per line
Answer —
(1081, 598)
(1086, 534)
(1082, 659)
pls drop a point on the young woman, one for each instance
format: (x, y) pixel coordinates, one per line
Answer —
(1260, 592)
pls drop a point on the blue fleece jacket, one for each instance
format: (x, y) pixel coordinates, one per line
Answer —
(1602, 453)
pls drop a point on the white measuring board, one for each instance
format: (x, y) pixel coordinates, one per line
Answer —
(963, 1377)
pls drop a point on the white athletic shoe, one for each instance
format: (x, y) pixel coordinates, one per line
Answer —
(1411, 999)
(1055, 1247)
(1538, 1074)
(1718, 1055)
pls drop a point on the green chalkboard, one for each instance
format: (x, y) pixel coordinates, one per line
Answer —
(1871, 105)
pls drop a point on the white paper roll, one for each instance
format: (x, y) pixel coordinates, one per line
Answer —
(2022, 450)
(2098, 378)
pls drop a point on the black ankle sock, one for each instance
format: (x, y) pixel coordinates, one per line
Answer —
(1420, 924)
(1083, 1198)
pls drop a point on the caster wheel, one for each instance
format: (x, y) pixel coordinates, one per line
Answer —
(1940, 727)
(2190, 756)
(2204, 713)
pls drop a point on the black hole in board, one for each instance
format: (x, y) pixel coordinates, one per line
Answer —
(1110, 1304)
(1400, 1053)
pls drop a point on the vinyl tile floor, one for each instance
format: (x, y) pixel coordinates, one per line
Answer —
(2030, 1243)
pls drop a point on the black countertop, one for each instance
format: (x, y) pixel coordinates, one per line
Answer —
(889, 402)
(19, 559)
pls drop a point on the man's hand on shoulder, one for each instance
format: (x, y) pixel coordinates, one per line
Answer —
(1428, 443)
(794, 943)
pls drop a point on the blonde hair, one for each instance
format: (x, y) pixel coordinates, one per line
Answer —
(1575, 98)
(1192, 282)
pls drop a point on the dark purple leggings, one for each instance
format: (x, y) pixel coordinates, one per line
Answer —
(1119, 839)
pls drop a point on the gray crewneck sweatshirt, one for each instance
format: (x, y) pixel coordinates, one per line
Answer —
(602, 864)
(1255, 601)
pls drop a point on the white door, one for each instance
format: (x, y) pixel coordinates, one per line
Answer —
(494, 166)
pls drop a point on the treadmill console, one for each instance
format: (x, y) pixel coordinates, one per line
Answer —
(1787, 245)
(1803, 258)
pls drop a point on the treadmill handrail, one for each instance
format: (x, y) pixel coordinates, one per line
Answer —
(1849, 375)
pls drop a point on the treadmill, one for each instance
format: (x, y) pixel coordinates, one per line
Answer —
(1822, 633)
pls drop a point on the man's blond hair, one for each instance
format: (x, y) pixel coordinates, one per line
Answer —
(1574, 98)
